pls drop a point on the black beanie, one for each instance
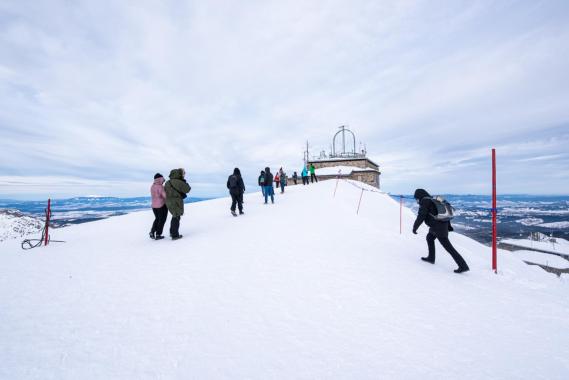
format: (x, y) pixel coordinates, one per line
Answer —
(157, 175)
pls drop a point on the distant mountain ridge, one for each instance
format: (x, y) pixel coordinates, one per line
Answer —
(21, 218)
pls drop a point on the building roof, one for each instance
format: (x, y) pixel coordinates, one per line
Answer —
(343, 170)
(339, 159)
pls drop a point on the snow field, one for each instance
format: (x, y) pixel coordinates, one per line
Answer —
(302, 289)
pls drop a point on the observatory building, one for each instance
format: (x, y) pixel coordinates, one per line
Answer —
(344, 161)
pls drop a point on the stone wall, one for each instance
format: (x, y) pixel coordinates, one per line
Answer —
(363, 163)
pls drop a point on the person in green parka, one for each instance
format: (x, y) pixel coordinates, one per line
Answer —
(176, 191)
(313, 174)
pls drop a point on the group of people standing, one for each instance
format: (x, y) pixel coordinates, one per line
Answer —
(168, 197)
(304, 175)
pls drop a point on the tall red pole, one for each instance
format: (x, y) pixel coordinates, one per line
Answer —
(47, 216)
(494, 211)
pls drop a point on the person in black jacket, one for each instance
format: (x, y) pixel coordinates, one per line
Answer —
(437, 230)
(236, 189)
(269, 191)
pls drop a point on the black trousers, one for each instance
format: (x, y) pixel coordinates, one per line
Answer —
(237, 199)
(175, 226)
(445, 242)
(160, 215)
(305, 180)
(313, 177)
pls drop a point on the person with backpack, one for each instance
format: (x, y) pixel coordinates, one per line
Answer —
(158, 207)
(236, 189)
(261, 182)
(437, 213)
(269, 191)
(304, 175)
(176, 189)
(277, 180)
(295, 178)
(282, 177)
(313, 173)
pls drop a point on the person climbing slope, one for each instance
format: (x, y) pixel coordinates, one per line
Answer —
(438, 229)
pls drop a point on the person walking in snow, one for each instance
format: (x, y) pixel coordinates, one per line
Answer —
(295, 178)
(282, 177)
(236, 189)
(261, 182)
(158, 207)
(269, 191)
(176, 191)
(277, 180)
(313, 173)
(304, 175)
(437, 230)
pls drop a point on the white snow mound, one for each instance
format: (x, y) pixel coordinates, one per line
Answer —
(302, 289)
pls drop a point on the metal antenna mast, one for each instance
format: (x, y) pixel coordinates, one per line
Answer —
(343, 131)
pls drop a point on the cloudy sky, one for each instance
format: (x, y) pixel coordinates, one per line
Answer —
(97, 96)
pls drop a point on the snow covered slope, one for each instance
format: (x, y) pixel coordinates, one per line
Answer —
(14, 224)
(301, 289)
(558, 245)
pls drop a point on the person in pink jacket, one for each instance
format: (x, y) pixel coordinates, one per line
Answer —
(158, 207)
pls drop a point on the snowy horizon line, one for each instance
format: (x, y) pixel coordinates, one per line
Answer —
(211, 197)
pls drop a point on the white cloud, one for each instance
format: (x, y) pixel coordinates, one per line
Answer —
(116, 91)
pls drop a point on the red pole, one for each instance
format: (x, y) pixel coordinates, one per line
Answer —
(400, 214)
(494, 211)
(357, 212)
(47, 216)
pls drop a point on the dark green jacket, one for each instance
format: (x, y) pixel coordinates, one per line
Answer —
(176, 189)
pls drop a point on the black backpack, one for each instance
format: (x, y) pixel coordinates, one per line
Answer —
(233, 182)
(445, 211)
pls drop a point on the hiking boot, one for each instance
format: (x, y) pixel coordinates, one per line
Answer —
(428, 260)
(462, 270)
(233, 213)
(159, 237)
(177, 237)
(151, 235)
(241, 213)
